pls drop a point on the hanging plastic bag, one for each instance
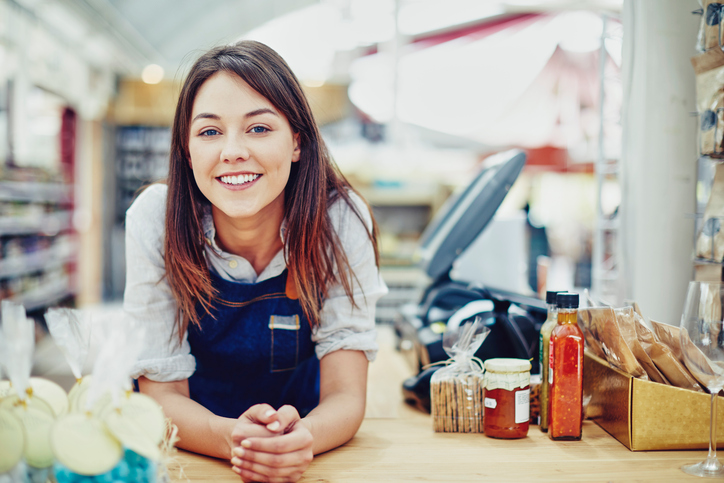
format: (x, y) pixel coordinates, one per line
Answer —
(456, 391)
(34, 414)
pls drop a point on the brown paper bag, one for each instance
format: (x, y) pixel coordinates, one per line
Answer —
(709, 70)
(709, 28)
(605, 329)
(710, 240)
(669, 335)
(592, 344)
(664, 359)
(626, 318)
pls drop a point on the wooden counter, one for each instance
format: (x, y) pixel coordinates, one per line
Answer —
(397, 443)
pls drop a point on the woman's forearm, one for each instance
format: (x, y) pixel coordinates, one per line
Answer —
(199, 430)
(342, 397)
(335, 421)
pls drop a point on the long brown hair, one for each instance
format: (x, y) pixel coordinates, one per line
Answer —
(312, 249)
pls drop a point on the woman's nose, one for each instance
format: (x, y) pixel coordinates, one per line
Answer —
(235, 149)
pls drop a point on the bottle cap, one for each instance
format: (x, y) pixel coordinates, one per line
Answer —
(551, 297)
(567, 300)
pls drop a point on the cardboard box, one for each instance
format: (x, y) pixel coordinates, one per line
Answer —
(646, 415)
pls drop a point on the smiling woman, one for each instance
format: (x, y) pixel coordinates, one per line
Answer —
(254, 272)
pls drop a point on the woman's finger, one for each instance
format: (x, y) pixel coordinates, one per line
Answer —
(260, 413)
(298, 438)
(287, 416)
(268, 471)
(248, 476)
(292, 459)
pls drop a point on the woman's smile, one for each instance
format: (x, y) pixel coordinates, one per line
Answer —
(238, 181)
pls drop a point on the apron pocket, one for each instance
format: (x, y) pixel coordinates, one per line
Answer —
(284, 342)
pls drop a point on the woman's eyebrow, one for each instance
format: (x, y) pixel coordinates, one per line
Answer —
(205, 115)
(256, 112)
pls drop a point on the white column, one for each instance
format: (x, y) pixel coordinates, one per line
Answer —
(659, 154)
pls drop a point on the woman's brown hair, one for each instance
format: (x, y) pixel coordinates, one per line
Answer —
(312, 249)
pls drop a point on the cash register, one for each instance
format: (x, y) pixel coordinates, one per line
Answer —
(514, 318)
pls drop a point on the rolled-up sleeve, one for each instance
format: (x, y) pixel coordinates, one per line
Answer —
(344, 325)
(148, 298)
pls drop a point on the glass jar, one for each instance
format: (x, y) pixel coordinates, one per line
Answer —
(507, 398)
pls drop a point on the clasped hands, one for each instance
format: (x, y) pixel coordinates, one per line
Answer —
(271, 445)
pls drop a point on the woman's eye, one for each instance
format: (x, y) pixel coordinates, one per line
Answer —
(210, 132)
(259, 129)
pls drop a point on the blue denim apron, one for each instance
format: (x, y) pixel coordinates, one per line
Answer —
(256, 349)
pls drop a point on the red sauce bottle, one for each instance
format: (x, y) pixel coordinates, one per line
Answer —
(565, 372)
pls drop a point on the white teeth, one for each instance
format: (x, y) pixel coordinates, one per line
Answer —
(240, 179)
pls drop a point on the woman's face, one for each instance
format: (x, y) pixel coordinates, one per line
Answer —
(242, 149)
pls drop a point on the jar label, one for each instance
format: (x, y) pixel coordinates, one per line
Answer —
(506, 380)
(490, 403)
(522, 406)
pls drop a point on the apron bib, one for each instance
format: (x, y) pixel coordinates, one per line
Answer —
(257, 348)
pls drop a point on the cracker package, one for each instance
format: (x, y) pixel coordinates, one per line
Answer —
(604, 327)
(665, 359)
(456, 391)
(626, 318)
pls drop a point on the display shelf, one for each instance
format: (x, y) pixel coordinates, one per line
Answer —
(46, 224)
(35, 192)
(399, 196)
(33, 262)
(707, 261)
(45, 295)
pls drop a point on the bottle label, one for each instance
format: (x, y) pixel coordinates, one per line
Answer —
(522, 406)
(550, 363)
(491, 403)
(540, 351)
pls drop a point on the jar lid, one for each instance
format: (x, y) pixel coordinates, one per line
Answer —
(507, 365)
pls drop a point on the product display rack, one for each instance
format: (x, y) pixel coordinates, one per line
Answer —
(606, 278)
(711, 268)
(141, 158)
(37, 245)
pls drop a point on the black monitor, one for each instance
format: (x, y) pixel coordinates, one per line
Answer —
(463, 217)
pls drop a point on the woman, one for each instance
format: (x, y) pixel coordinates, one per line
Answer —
(255, 273)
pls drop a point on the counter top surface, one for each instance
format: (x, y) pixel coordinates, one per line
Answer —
(397, 443)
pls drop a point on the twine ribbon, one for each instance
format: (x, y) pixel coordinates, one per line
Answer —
(452, 360)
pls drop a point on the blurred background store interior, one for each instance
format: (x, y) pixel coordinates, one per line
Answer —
(412, 96)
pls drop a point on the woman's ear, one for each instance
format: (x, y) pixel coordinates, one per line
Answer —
(297, 149)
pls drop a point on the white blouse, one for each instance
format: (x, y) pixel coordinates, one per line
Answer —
(148, 298)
